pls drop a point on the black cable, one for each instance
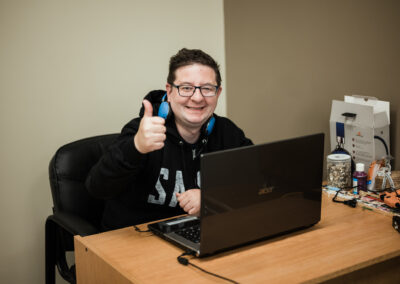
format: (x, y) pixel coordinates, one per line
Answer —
(384, 143)
(184, 261)
(352, 202)
(370, 190)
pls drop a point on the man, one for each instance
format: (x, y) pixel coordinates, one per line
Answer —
(152, 170)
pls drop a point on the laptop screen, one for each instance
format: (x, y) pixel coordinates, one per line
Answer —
(259, 191)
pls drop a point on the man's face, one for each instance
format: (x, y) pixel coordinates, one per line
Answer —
(193, 112)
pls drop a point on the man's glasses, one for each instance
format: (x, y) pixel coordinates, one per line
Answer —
(188, 90)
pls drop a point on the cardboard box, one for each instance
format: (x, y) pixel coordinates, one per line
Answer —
(364, 124)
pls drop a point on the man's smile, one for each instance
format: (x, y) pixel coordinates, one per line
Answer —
(195, 108)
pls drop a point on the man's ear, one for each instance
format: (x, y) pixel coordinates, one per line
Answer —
(219, 91)
(168, 87)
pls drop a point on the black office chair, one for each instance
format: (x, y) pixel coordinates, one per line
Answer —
(75, 212)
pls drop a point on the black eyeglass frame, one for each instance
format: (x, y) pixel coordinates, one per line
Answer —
(195, 88)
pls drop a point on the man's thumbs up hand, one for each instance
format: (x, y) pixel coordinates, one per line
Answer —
(151, 134)
(148, 108)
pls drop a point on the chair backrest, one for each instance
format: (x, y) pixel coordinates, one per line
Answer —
(68, 170)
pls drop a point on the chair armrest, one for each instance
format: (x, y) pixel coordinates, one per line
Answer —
(73, 224)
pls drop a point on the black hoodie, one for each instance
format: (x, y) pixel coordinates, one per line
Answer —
(139, 187)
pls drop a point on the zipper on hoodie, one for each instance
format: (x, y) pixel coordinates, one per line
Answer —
(192, 174)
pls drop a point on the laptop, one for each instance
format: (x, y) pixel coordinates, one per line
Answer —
(250, 194)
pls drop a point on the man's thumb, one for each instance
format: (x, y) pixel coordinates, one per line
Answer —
(148, 108)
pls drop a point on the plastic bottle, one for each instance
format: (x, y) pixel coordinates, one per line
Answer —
(359, 179)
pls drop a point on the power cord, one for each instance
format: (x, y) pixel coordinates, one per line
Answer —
(184, 261)
(352, 202)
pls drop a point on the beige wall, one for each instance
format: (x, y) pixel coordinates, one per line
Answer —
(72, 69)
(287, 60)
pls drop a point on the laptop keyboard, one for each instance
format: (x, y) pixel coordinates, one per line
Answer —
(191, 233)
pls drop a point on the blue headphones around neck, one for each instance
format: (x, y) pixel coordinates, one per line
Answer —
(164, 112)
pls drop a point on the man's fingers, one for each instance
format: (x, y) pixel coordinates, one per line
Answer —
(158, 120)
(149, 129)
(187, 207)
(148, 109)
(155, 138)
(183, 201)
(158, 145)
(159, 129)
(189, 201)
(192, 211)
(159, 137)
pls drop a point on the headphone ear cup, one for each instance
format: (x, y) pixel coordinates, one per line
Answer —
(210, 125)
(163, 110)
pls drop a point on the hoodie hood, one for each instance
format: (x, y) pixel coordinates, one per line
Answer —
(154, 97)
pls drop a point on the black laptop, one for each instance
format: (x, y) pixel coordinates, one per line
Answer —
(252, 193)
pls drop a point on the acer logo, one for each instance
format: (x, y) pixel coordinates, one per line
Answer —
(265, 190)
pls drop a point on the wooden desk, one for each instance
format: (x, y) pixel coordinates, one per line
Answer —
(346, 240)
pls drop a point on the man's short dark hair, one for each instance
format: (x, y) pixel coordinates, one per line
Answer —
(186, 57)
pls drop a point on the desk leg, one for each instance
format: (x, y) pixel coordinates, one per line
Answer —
(50, 257)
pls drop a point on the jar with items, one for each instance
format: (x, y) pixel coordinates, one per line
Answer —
(339, 171)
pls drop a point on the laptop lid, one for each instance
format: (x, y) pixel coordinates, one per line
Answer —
(252, 193)
(260, 191)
